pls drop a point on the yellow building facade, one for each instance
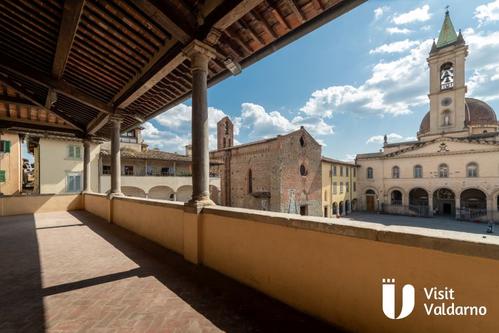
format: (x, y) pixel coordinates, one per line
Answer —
(10, 164)
(339, 187)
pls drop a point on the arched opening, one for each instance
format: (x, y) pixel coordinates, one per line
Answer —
(347, 207)
(132, 191)
(250, 181)
(370, 173)
(370, 201)
(443, 170)
(395, 172)
(396, 198)
(472, 170)
(335, 208)
(444, 202)
(446, 115)
(215, 194)
(341, 208)
(184, 193)
(473, 204)
(446, 76)
(418, 201)
(161, 193)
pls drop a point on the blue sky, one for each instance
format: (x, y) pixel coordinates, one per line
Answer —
(349, 82)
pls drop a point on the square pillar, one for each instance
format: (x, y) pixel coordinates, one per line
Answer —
(115, 156)
(200, 54)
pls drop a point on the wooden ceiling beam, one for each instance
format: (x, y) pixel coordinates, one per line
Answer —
(33, 102)
(97, 123)
(164, 20)
(241, 9)
(67, 32)
(60, 86)
(291, 4)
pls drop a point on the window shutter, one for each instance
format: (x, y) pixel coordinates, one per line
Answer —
(7, 146)
(77, 152)
(2, 176)
(4, 146)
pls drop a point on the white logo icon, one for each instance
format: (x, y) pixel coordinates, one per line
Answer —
(389, 299)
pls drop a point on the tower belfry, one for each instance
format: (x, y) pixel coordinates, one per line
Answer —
(447, 82)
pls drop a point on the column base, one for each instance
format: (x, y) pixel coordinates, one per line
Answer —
(112, 195)
(200, 203)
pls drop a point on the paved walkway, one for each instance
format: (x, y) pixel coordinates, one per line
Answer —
(443, 226)
(71, 272)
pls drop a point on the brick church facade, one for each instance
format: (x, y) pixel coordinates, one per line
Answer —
(280, 174)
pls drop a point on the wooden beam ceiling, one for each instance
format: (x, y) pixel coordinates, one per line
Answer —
(26, 96)
(59, 86)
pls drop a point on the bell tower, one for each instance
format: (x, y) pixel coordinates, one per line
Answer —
(225, 133)
(447, 82)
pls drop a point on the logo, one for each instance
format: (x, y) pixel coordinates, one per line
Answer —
(389, 299)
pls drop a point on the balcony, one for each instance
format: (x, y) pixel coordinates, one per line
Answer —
(87, 262)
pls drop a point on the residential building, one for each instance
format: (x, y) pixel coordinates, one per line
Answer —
(10, 164)
(453, 167)
(339, 187)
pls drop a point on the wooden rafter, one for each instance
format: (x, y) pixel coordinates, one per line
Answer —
(67, 31)
(97, 123)
(59, 86)
(33, 102)
(166, 22)
(295, 10)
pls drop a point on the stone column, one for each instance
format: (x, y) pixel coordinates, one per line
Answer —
(87, 184)
(430, 204)
(457, 206)
(115, 156)
(200, 54)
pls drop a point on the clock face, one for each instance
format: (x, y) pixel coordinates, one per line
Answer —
(446, 76)
(446, 101)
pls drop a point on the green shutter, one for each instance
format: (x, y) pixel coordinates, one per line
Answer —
(4, 146)
(7, 146)
(2, 176)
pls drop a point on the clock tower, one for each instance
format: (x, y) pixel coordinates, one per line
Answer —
(447, 83)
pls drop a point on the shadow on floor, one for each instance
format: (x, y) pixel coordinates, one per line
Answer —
(21, 299)
(229, 305)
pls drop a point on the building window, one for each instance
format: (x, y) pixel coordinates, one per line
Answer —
(334, 170)
(335, 187)
(303, 170)
(250, 181)
(129, 137)
(341, 187)
(128, 170)
(74, 152)
(472, 170)
(165, 171)
(354, 172)
(304, 210)
(325, 211)
(302, 141)
(225, 143)
(3, 177)
(73, 182)
(4, 146)
(354, 186)
(395, 172)
(497, 203)
(341, 171)
(346, 170)
(106, 169)
(443, 171)
(396, 198)
(418, 171)
(325, 195)
(370, 173)
(446, 118)
(347, 187)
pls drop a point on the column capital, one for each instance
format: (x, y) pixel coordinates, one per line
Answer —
(116, 118)
(198, 47)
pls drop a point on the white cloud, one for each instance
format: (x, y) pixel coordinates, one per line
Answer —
(378, 12)
(420, 14)
(488, 12)
(262, 124)
(395, 47)
(393, 88)
(392, 137)
(397, 30)
(350, 157)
